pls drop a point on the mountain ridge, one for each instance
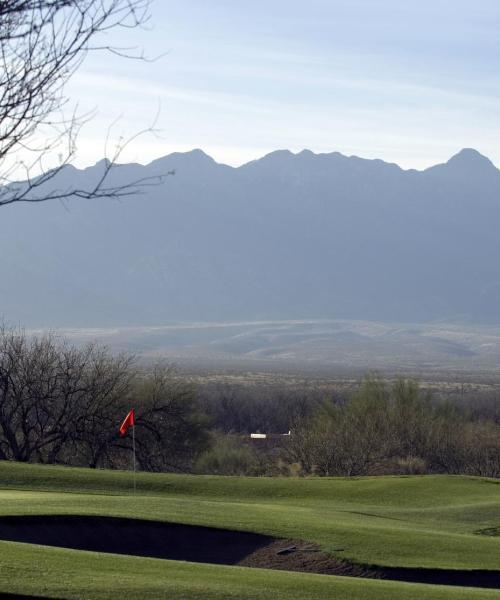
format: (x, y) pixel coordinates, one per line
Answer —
(467, 153)
(289, 236)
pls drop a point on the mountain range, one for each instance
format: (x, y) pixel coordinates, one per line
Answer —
(287, 236)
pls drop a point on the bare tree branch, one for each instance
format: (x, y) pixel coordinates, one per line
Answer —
(42, 44)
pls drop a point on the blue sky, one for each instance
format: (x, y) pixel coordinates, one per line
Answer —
(407, 82)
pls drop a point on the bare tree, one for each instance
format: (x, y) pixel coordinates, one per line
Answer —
(28, 385)
(171, 431)
(94, 386)
(63, 404)
(42, 44)
(57, 401)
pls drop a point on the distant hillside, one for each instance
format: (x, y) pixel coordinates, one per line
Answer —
(288, 236)
(336, 346)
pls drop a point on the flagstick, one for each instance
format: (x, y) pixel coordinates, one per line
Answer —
(133, 447)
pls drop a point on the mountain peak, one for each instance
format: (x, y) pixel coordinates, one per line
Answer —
(193, 159)
(282, 154)
(195, 156)
(100, 165)
(470, 158)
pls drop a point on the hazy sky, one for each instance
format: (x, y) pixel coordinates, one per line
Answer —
(403, 81)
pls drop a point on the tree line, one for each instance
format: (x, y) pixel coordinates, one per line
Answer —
(61, 404)
(382, 428)
(395, 428)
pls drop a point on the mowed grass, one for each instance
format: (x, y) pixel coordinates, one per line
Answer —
(427, 521)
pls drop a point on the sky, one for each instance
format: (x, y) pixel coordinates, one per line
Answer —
(407, 82)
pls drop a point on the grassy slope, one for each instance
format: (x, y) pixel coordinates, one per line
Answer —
(412, 521)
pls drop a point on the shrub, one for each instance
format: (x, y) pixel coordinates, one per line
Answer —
(411, 465)
(228, 457)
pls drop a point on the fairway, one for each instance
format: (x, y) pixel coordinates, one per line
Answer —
(415, 521)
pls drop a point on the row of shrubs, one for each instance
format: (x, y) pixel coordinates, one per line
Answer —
(382, 429)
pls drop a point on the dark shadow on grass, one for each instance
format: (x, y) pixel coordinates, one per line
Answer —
(5, 596)
(217, 546)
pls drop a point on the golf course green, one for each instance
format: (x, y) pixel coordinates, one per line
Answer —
(434, 522)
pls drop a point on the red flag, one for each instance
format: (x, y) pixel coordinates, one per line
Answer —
(129, 421)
